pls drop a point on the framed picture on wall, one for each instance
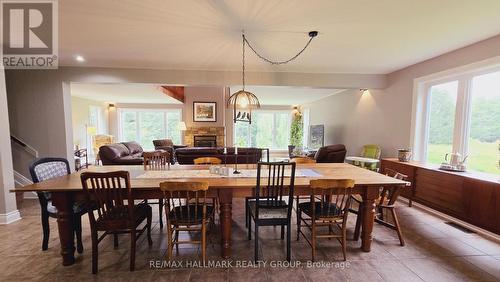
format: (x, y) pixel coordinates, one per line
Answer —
(204, 111)
(316, 136)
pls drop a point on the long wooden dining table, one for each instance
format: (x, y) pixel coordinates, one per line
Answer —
(66, 190)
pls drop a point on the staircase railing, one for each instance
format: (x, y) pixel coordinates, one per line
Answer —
(32, 151)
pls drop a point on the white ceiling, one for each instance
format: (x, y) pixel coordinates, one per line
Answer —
(139, 93)
(284, 95)
(362, 36)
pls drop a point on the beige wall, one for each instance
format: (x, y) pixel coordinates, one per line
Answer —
(339, 116)
(8, 209)
(204, 94)
(384, 116)
(36, 112)
(80, 118)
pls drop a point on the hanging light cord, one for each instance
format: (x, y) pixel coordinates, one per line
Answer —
(243, 59)
(312, 34)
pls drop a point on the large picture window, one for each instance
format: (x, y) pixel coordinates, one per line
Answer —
(144, 126)
(269, 129)
(462, 115)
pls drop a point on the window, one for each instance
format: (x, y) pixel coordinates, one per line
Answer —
(460, 115)
(443, 100)
(269, 129)
(144, 126)
(97, 124)
(95, 117)
(484, 137)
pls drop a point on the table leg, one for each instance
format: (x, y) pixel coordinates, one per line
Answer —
(64, 204)
(368, 210)
(226, 205)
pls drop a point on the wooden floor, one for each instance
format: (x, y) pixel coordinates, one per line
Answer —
(434, 252)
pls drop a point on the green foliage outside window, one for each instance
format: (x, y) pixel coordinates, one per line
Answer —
(297, 131)
(269, 129)
(484, 138)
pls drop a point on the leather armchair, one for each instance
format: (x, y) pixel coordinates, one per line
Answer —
(331, 154)
(166, 145)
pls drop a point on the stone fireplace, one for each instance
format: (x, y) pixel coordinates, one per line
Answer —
(205, 136)
(205, 141)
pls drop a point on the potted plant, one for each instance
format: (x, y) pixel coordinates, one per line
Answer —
(296, 132)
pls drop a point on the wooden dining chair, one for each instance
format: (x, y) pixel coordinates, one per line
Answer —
(268, 207)
(186, 209)
(107, 192)
(207, 161)
(298, 199)
(44, 169)
(328, 207)
(386, 201)
(157, 160)
(210, 161)
(303, 160)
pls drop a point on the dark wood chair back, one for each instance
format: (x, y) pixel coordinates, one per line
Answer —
(185, 202)
(108, 192)
(157, 160)
(389, 195)
(330, 198)
(271, 185)
(262, 150)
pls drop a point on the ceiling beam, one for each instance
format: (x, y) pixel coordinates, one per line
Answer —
(176, 92)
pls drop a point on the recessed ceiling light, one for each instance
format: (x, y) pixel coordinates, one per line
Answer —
(80, 59)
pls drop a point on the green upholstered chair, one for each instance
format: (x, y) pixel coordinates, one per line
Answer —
(370, 151)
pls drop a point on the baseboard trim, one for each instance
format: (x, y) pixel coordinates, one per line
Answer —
(480, 231)
(10, 217)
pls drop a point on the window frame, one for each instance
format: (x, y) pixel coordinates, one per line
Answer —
(137, 111)
(463, 110)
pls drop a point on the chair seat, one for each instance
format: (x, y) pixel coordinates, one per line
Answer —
(263, 201)
(78, 208)
(118, 217)
(193, 215)
(321, 211)
(269, 212)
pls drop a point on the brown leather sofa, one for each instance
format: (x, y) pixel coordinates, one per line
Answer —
(124, 153)
(331, 154)
(245, 155)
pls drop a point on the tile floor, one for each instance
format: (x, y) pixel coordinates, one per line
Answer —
(434, 251)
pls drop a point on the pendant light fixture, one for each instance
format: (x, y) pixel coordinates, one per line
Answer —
(242, 101)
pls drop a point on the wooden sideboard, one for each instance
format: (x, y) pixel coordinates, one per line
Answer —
(471, 197)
